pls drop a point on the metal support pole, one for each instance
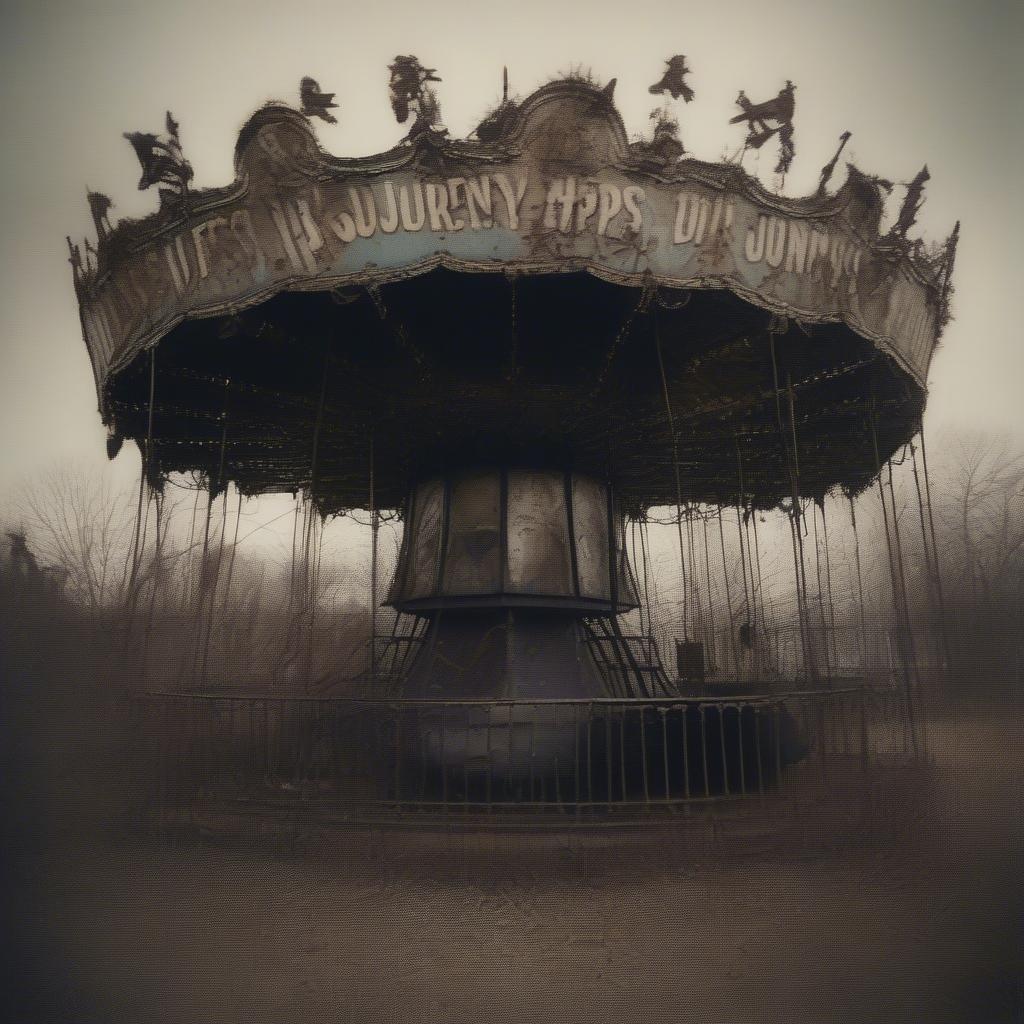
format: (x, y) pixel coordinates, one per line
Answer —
(935, 550)
(728, 596)
(675, 468)
(907, 689)
(792, 466)
(374, 528)
(860, 585)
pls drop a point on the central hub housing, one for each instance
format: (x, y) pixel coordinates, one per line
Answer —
(506, 563)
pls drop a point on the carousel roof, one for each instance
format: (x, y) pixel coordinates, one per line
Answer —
(543, 293)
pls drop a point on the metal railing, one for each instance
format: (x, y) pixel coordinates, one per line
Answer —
(348, 758)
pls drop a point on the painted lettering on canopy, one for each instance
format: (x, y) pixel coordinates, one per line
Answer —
(572, 203)
(699, 218)
(350, 228)
(445, 206)
(799, 247)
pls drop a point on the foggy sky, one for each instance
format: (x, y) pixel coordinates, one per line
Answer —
(914, 82)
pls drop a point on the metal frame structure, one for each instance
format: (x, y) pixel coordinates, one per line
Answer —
(673, 330)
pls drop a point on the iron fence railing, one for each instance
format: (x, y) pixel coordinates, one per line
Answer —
(402, 757)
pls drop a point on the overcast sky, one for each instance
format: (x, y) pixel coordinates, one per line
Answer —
(925, 81)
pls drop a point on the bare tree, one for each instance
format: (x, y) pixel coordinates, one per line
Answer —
(79, 525)
(980, 505)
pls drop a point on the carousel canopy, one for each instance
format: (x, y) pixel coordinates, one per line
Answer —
(545, 293)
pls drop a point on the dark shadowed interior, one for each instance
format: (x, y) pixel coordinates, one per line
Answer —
(445, 371)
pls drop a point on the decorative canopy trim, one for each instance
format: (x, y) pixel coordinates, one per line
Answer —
(556, 188)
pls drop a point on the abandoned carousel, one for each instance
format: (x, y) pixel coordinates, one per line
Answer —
(518, 345)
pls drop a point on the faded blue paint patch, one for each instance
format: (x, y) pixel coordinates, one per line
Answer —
(402, 249)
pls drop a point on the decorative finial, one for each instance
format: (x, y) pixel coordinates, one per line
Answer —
(316, 103)
(948, 259)
(162, 161)
(91, 263)
(99, 207)
(911, 204)
(826, 171)
(409, 90)
(494, 125)
(757, 116)
(950, 250)
(75, 259)
(672, 80)
(605, 99)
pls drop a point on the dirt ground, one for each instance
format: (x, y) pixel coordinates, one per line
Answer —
(921, 924)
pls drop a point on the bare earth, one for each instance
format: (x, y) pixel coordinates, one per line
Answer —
(636, 926)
